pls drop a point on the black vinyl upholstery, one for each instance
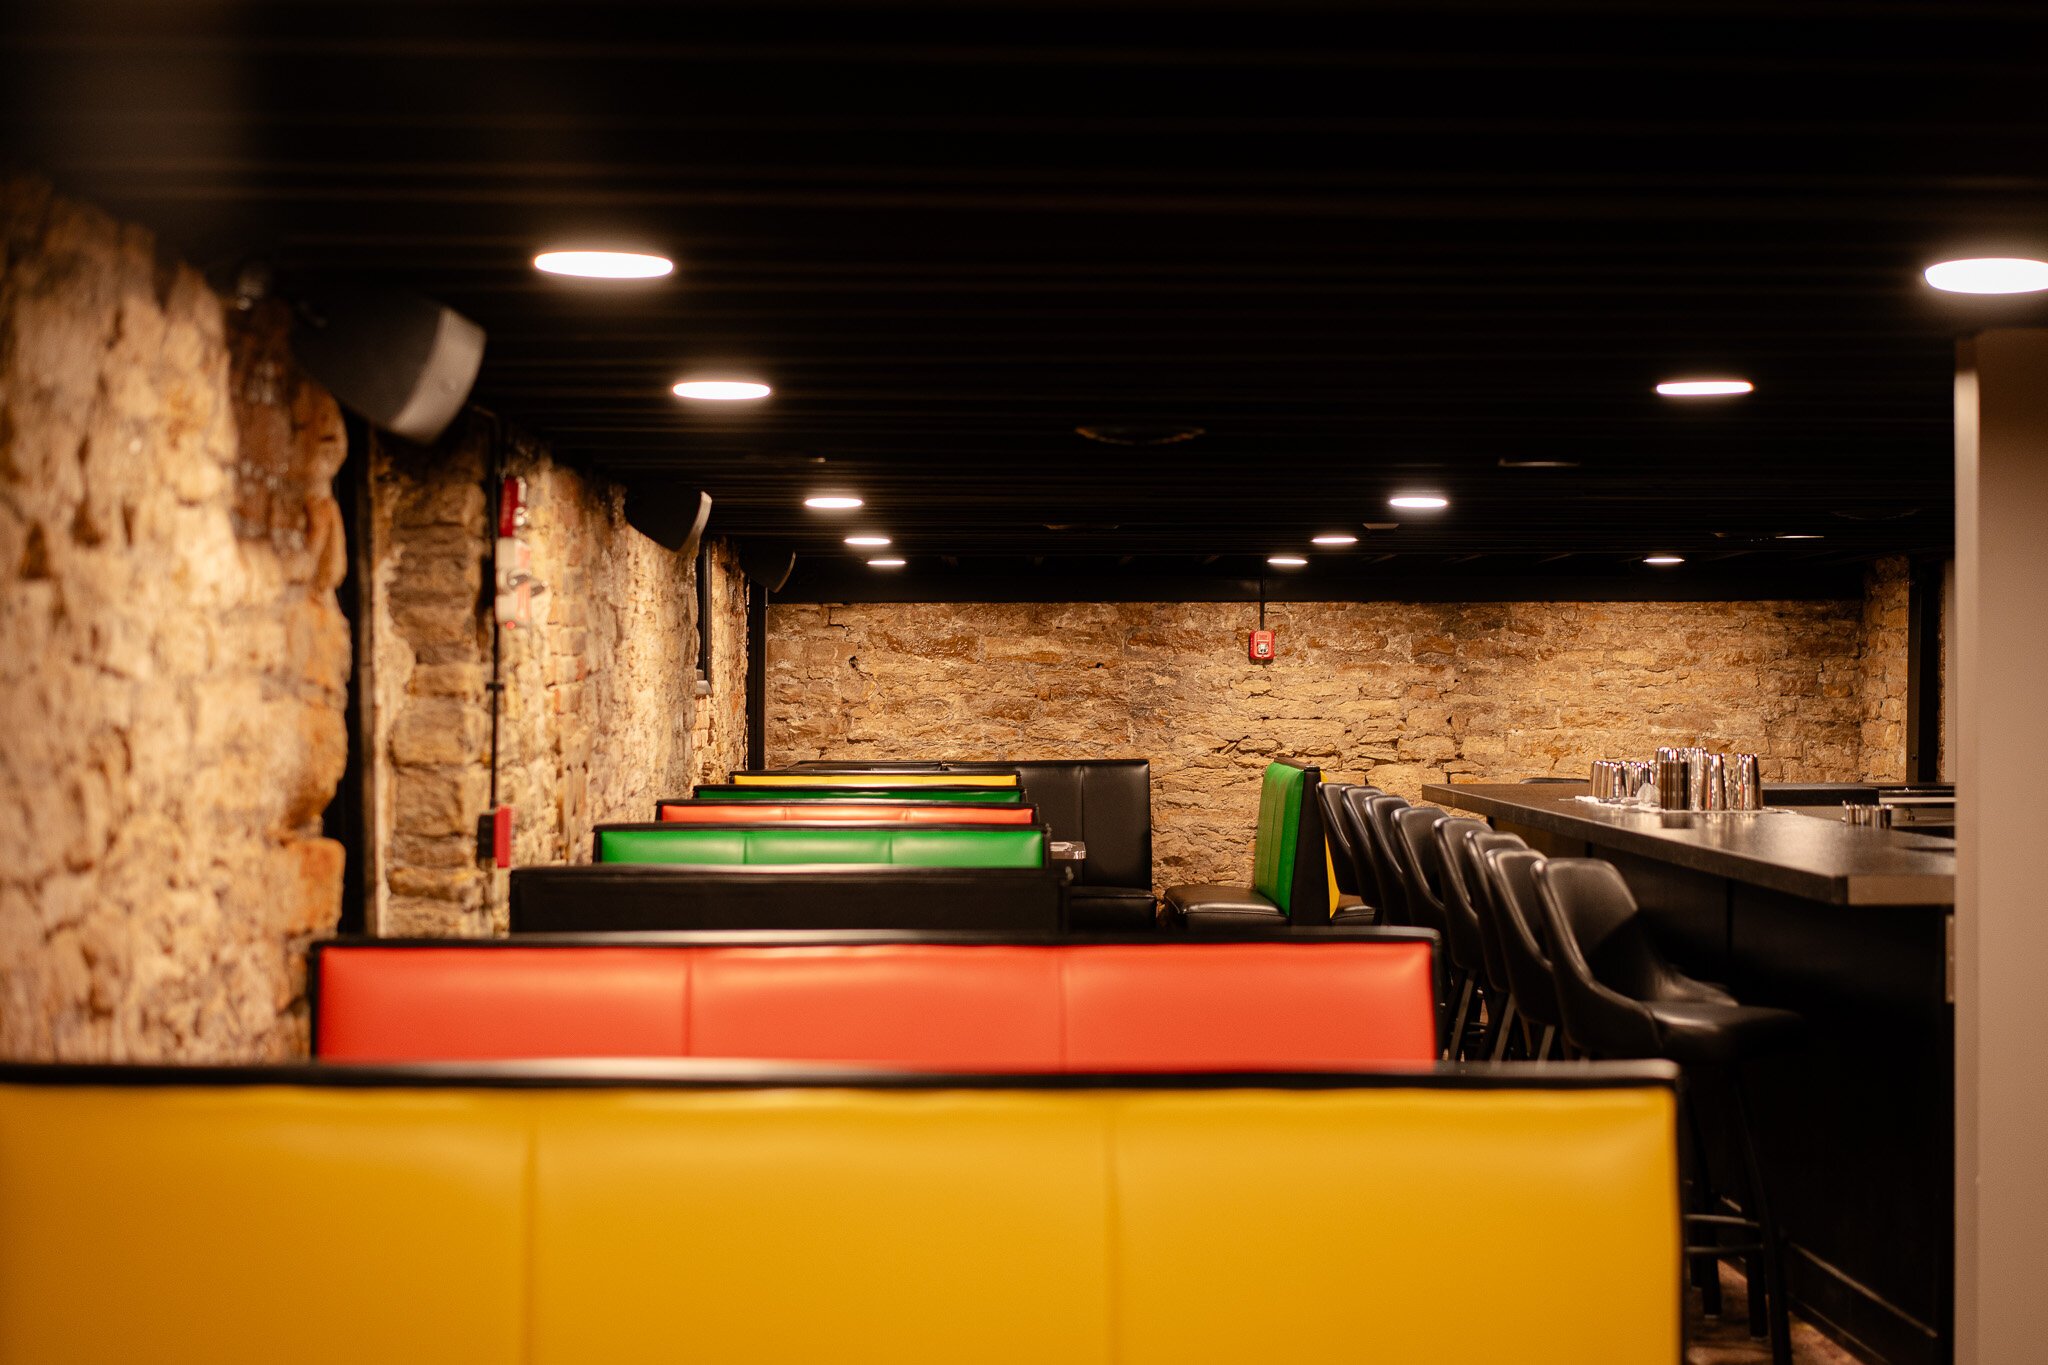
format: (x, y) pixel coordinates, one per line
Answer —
(649, 897)
(1461, 917)
(1619, 995)
(1511, 877)
(1105, 803)
(1378, 813)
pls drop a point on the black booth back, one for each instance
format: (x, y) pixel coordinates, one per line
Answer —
(1105, 803)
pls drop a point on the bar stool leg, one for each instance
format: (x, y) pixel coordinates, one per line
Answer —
(1505, 1032)
(1706, 1270)
(1767, 1230)
(1460, 1020)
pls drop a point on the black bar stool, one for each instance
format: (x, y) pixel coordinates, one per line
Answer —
(1465, 940)
(1510, 877)
(1472, 846)
(1355, 893)
(1379, 828)
(1415, 853)
(1621, 998)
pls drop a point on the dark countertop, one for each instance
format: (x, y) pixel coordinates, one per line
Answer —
(1800, 855)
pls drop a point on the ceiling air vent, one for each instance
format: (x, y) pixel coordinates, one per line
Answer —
(1141, 433)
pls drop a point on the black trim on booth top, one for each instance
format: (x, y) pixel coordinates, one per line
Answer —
(721, 1074)
(644, 897)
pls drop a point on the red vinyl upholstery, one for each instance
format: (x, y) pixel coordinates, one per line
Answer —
(769, 813)
(1067, 1007)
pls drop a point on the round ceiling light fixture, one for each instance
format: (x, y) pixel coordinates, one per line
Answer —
(1286, 561)
(868, 542)
(1337, 538)
(886, 563)
(1799, 535)
(721, 390)
(1704, 388)
(1419, 502)
(604, 265)
(832, 502)
(1989, 275)
(1664, 561)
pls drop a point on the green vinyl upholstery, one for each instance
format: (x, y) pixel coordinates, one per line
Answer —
(824, 791)
(900, 846)
(1274, 847)
(1291, 881)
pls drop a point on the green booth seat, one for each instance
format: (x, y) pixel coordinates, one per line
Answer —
(823, 844)
(828, 790)
(1292, 880)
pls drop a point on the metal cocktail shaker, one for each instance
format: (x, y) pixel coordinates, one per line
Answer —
(1695, 779)
(1670, 779)
(1745, 783)
(1714, 786)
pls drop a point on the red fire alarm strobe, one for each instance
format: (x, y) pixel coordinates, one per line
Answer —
(1262, 647)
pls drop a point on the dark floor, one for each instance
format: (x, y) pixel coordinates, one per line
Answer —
(1726, 1341)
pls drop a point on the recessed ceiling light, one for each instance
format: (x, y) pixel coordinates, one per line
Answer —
(1989, 275)
(1799, 535)
(1286, 561)
(721, 390)
(1506, 463)
(1334, 538)
(604, 265)
(1422, 502)
(1664, 561)
(833, 502)
(869, 542)
(1704, 388)
(886, 563)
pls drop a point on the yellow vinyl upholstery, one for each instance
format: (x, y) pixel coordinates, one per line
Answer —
(787, 1226)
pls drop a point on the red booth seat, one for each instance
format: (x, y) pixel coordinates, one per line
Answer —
(983, 1007)
(771, 813)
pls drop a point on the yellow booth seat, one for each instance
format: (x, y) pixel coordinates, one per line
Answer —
(692, 1212)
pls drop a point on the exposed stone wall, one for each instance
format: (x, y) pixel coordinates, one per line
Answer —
(430, 724)
(173, 665)
(595, 717)
(598, 691)
(720, 738)
(1399, 694)
(1887, 618)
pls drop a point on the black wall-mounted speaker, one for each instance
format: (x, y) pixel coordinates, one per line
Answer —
(404, 363)
(769, 565)
(671, 517)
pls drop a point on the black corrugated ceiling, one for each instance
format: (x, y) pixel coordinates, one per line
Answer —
(1364, 248)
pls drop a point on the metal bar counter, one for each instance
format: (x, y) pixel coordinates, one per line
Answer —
(1848, 926)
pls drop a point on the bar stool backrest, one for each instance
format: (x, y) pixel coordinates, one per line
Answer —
(1461, 919)
(1416, 846)
(1379, 826)
(1372, 873)
(1600, 956)
(1510, 876)
(1466, 854)
(1343, 858)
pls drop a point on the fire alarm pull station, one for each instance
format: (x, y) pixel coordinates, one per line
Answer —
(1261, 647)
